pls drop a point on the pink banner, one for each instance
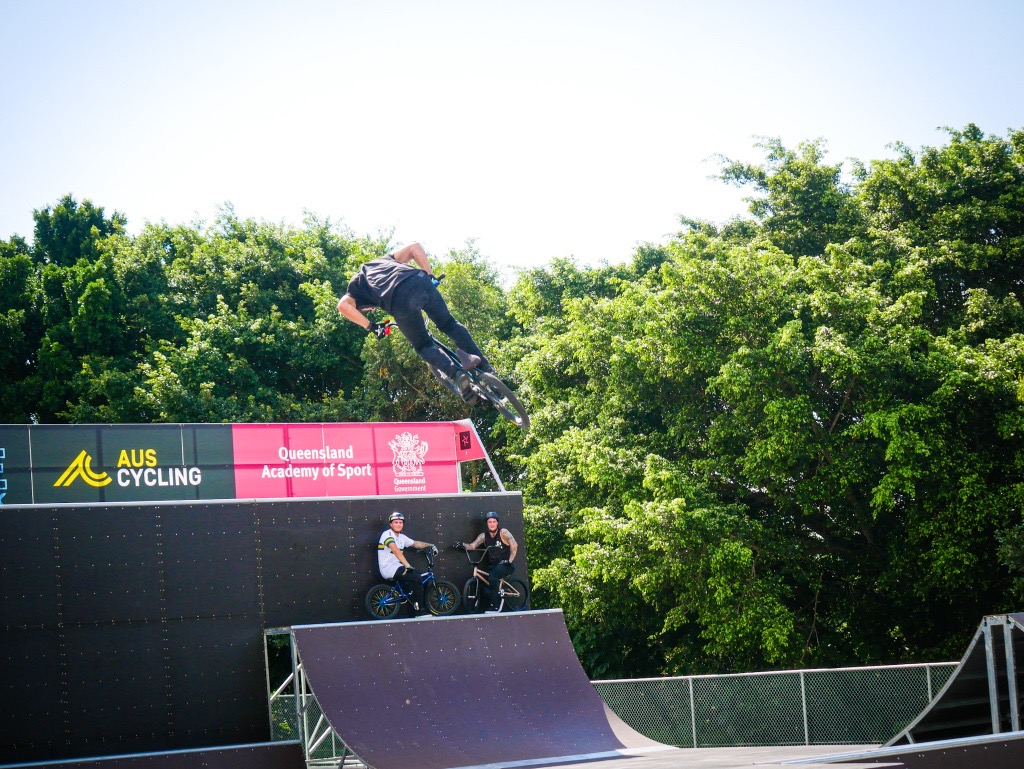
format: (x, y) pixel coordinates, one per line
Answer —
(351, 459)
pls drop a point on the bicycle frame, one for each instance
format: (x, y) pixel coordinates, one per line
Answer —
(480, 574)
(427, 578)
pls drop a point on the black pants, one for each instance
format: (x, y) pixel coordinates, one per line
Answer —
(489, 593)
(412, 582)
(416, 296)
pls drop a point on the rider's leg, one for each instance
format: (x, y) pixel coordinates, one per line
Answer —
(437, 310)
(410, 321)
(488, 596)
(412, 582)
(407, 309)
(498, 572)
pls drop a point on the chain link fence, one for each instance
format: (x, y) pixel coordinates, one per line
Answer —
(842, 706)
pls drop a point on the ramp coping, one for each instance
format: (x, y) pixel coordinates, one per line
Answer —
(430, 618)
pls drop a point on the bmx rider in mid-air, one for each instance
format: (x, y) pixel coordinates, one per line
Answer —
(405, 291)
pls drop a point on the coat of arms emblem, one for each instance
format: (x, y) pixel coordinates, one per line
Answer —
(408, 453)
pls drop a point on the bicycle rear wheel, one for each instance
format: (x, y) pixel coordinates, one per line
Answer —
(517, 595)
(443, 598)
(503, 399)
(382, 601)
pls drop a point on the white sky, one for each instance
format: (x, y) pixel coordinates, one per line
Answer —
(540, 129)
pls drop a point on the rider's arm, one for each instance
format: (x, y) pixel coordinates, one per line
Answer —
(399, 554)
(347, 307)
(414, 253)
(475, 543)
(513, 546)
(422, 545)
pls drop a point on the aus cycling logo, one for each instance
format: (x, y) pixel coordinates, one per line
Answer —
(81, 467)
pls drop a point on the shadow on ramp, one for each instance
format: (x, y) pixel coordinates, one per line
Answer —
(467, 691)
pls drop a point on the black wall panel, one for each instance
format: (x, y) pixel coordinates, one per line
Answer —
(29, 568)
(111, 564)
(139, 627)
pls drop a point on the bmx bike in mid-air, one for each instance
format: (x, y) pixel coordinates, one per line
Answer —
(484, 384)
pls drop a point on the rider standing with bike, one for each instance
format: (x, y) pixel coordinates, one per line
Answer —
(501, 549)
(393, 564)
(405, 292)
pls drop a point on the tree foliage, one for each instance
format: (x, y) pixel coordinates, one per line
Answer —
(797, 439)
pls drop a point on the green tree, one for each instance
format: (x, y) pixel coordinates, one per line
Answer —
(260, 337)
(20, 327)
(813, 384)
(69, 231)
(803, 203)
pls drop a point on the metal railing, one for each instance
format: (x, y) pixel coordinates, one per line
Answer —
(840, 706)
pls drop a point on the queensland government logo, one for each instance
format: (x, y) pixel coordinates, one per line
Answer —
(408, 455)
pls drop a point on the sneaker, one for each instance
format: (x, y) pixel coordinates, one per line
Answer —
(415, 607)
(468, 360)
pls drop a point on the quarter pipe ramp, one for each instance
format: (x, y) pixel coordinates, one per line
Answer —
(463, 691)
(983, 695)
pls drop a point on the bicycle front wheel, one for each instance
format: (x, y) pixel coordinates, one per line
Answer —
(503, 399)
(382, 602)
(442, 598)
(471, 595)
(517, 594)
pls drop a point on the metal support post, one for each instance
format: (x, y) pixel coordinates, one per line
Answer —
(1011, 676)
(693, 715)
(803, 705)
(993, 686)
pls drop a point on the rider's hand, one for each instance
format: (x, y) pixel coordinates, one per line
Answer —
(379, 330)
(459, 545)
(433, 549)
(435, 280)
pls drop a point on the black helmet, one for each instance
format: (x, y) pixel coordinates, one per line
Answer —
(493, 515)
(396, 516)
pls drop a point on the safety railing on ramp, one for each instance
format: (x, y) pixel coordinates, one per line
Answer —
(839, 706)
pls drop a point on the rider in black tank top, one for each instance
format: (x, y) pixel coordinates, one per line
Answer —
(501, 551)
